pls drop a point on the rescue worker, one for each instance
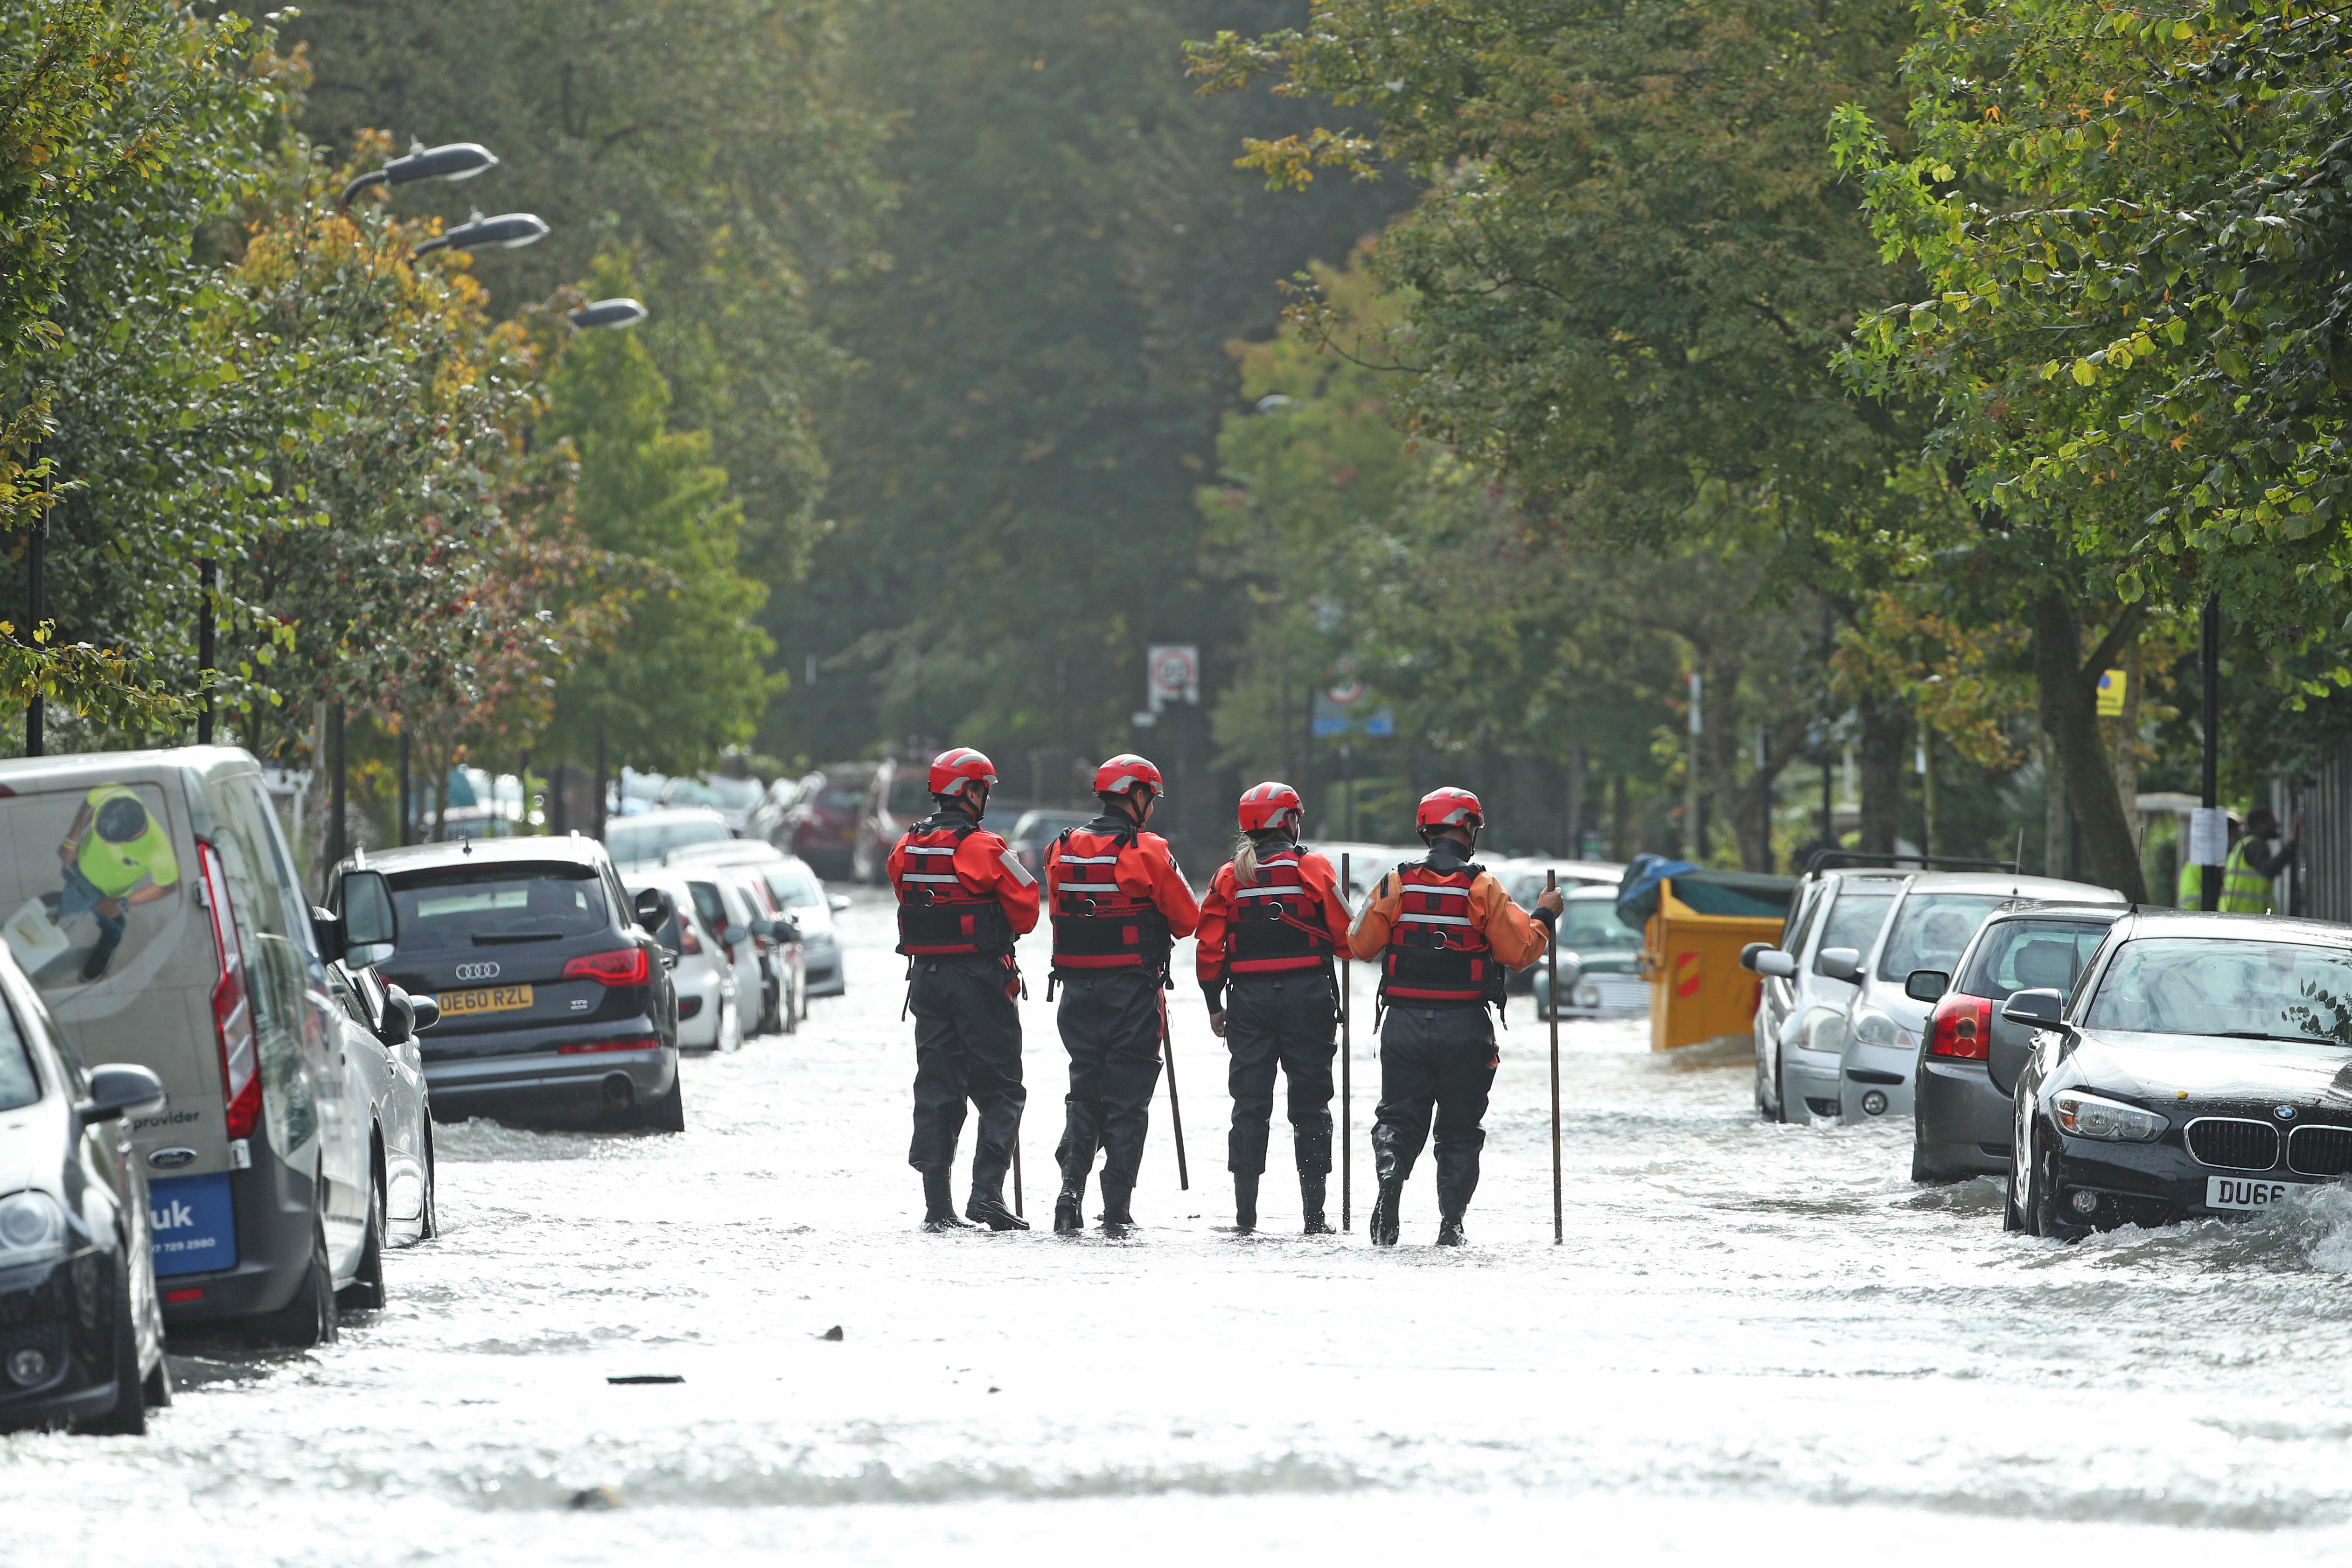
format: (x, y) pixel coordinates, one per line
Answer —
(1118, 903)
(114, 857)
(1444, 932)
(1270, 926)
(964, 900)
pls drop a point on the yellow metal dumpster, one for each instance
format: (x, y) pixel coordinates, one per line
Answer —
(1696, 921)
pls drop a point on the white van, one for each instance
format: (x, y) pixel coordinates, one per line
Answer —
(153, 900)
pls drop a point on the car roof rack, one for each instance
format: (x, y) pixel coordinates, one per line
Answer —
(1825, 859)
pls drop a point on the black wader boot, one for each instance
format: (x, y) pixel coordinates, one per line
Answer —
(1244, 1202)
(1069, 1209)
(939, 1205)
(1116, 1220)
(1311, 1185)
(987, 1208)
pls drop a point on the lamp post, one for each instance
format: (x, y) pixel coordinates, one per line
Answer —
(455, 161)
(37, 604)
(508, 231)
(2209, 878)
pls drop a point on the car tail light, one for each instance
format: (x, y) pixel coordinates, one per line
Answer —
(620, 967)
(1961, 1028)
(174, 1298)
(232, 1003)
(634, 1042)
(688, 942)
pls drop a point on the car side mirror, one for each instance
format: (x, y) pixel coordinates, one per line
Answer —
(1926, 985)
(837, 903)
(1774, 964)
(1571, 969)
(120, 1089)
(1747, 955)
(2037, 1009)
(1841, 964)
(363, 904)
(652, 909)
(788, 930)
(426, 1010)
(764, 928)
(399, 1025)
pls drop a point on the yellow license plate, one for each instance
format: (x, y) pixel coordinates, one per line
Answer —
(491, 999)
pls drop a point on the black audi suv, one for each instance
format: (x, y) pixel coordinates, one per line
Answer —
(555, 998)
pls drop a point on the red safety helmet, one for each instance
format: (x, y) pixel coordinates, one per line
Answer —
(1261, 805)
(1125, 772)
(954, 773)
(1449, 808)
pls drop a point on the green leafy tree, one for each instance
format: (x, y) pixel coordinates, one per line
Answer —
(686, 678)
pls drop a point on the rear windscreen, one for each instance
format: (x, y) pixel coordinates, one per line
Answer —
(1933, 930)
(1589, 924)
(94, 901)
(2031, 956)
(794, 889)
(630, 841)
(486, 906)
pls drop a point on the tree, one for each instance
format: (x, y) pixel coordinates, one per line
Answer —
(1633, 267)
(685, 679)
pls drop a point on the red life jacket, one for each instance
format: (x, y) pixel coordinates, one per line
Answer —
(1277, 924)
(1436, 955)
(938, 915)
(1097, 925)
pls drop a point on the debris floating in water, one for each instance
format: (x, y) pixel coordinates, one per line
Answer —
(831, 1334)
(600, 1499)
(647, 1377)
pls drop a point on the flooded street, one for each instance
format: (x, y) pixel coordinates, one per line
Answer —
(1757, 1340)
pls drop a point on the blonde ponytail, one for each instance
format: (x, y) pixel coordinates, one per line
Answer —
(1246, 861)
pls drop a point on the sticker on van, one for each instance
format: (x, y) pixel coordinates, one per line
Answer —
(195, 1221)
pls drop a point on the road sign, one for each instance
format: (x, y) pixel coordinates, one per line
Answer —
(2113, 686)
(1171, 673)
(1380, 723)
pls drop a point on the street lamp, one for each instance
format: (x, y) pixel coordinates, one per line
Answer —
(456, 160)
(508, 231)
(608, 313)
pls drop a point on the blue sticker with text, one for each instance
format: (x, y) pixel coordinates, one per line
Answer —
(195, 1223)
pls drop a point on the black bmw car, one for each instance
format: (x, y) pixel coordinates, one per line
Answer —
(81, 1330)
(2203, 1070)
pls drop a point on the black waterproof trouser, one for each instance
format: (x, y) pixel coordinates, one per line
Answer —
(1110, 1026)
(1440, 1058)
(967, 1047)
(1291, 1021)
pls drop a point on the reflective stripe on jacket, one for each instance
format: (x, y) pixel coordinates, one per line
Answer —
(1292, 918)
(961, 890)
(2244, 890)
(1506, 936)
(1118, 898)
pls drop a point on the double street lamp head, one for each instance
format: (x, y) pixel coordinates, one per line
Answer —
(608, 313)
(508, 231)
(454, 160)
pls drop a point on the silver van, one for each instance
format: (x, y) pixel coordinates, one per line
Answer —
(152, 900)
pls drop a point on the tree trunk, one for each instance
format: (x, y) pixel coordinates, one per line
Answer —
(2068, 690)
(1884, 723)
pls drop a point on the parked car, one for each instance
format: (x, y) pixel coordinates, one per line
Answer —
(1033, 830)
(1800, 1009)
(771, 819)
(799, 897)
(1523, 879)
(555, 1001)
(210, 973)
(2197, 1073)
(82, 1325)
(1607, 980)
(644, 839)
(899, 797)
(782, 956)
(1960, 1123)
(727, 914)
(824, 824)
(1933, 919)
(381, 1025)
(702, 975)
(733, 798)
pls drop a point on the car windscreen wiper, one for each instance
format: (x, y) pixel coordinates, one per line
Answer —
(2288, 1039)
(491, 939)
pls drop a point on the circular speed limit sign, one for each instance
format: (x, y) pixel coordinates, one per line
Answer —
(1174, 671)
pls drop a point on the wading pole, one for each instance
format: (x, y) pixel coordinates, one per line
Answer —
(1175, 1110)
(1346, 1094)
(1551, 972)
(1016, 1176)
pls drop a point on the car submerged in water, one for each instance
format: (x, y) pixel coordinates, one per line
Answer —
(2203, 1070)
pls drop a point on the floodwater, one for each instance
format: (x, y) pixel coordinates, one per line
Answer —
(1757, 1341)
